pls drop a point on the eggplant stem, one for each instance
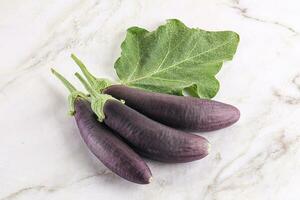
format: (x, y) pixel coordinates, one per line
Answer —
(64, 81)
(86, 85)
(74, 93)
(91, 79)
(99, 84)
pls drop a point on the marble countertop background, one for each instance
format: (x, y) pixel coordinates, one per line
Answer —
(41, 153)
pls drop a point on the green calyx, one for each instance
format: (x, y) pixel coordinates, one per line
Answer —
(97, 105)
(97, 100)
(98, 84)
(74, 93)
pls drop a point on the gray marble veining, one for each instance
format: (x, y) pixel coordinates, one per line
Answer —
(41, 153)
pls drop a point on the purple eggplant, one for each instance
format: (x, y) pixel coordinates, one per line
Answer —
(185, 113)
(103, 143)
(150, 138)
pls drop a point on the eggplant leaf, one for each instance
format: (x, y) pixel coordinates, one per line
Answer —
(175, 58)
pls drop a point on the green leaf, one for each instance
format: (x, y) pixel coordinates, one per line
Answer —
(175, 58)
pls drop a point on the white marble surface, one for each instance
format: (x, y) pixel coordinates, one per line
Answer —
(41, 154)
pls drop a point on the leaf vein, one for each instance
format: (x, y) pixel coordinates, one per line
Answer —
(165, 79)
(137, 62)
(168, 51)
(178, 63)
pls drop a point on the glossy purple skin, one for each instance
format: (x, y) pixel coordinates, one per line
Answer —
(185, 113)
(152, 139)
(108, 148)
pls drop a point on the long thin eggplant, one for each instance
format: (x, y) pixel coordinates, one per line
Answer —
(185, 113)
(103, 143)
(150, 138)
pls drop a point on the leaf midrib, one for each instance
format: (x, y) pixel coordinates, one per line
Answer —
(178, 63)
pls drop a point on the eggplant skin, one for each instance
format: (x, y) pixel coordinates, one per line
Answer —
(108, 148)
(185, 113)
(152, 139)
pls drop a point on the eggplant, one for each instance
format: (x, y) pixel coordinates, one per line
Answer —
(108, 148)
(152, 139)
(103, 143)
(149, 138)
(181, 112)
